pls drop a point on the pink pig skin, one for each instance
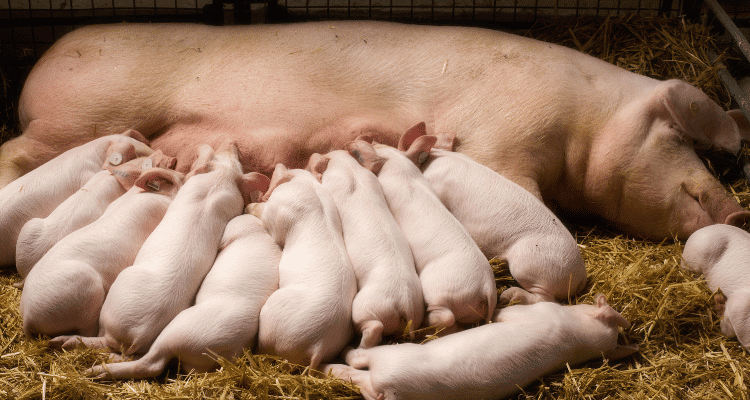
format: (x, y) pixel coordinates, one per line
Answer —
(224, 319)
(175, 258)
(457, 281)
(389, 296)
(80, 209)
(37, 194)
(580, 133)
(64, 292)
(511, 224)
(309, 319)
(722, 254)
(492, 361)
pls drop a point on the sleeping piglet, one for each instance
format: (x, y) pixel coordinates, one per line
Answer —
(175, 258)
(64, 292)
(457, 281)
(38, 193)
(308, 320)
(389, 297)
(492, 361)
(722, 254)
(82, 208)
(508, 223)
(245, 273)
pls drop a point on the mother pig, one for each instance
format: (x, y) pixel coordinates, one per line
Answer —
(573, 130)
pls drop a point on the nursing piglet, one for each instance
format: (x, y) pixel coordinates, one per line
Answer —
(82, 208)
(457, 281)
(722, 254)
(65, 291)
(309, 319)
(173, 261)
(389, 297)
(508, 223)
(38, 193)
(492, 361)
(224, 319)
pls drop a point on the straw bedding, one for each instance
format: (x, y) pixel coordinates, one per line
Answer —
(683, 353)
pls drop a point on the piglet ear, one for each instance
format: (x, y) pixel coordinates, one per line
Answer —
(365, 155)
(280, 175)
(621, 351)
(159, 160)
(135, 135)
(608, 314)
(160, 180)
(201, 165)
(365, 138)
(119, 153)
(742, 123)
(317, 164)
(126, 174)
(410, 135)
(445, 141)
(420, 149)
(252, 186)
(255, 209)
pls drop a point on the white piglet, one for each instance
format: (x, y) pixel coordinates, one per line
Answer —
(457, 281)
(722, 254)
(509, 223)
(389, 297)
(64, 292)
(492, 361)
(38, 193)
(224, 319)
(308, 320)
(173, 261)
(82, 208)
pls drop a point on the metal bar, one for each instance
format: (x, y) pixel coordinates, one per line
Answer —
(738, 37)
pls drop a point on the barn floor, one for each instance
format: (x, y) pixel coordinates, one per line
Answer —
(683, 353)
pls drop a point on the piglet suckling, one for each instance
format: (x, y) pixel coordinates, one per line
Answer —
(224, 319)
(82, 208)
(492, 361)
(38, 193)
(722, 254)
(308, 320)
(389, 297)
(509, 223)
(175, 258)
(457, 281)
(64, 292)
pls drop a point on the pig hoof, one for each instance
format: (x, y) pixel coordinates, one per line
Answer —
(517, 295)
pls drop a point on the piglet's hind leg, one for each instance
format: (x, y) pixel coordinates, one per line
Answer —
(75, 341)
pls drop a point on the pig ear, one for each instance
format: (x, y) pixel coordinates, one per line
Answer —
(365, 138)
(420, 149)
(742, 123)
(160, 180)
(445, 141)
(280, 175)
(201, 165)
(608, 314)
(317, 165)
(119, 153)
(621, 351)
(159, 160)
(252, 183)
(126, 174)
(365, 155)
(411, 134)
(135, 135)
(255, 209)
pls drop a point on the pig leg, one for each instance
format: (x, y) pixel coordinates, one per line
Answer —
(150, 365)
(441, 317)
(372, 334)
(355, 376)
(75, 341)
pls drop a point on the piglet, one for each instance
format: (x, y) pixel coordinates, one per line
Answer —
(227, 306)
(457, 281)
(38, 193)
(492, 361)
(64, 292)
(175, 258)
(82, 208)
(309, 319)
(722, 254)
(508, 223)
(389, 298)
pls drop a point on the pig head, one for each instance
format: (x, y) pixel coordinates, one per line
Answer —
(640, 170)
